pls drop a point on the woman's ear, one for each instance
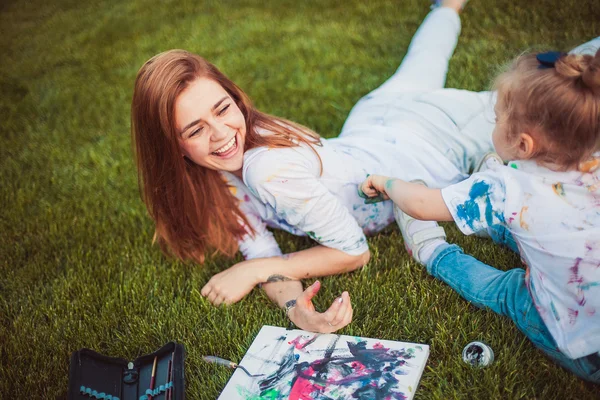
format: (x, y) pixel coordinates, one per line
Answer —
(526, 146)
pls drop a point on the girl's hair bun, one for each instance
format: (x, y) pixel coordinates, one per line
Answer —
(579, 66)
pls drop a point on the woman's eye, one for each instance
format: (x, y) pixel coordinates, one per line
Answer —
(223, 110)
(197, 131)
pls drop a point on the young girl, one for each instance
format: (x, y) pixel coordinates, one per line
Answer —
(545, 205)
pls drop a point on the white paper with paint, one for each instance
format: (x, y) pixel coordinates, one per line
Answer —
(302, 365)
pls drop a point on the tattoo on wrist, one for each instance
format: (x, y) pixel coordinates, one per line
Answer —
(277, 278)
(288, 306)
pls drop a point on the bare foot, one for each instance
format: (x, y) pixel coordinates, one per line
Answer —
(456, 5)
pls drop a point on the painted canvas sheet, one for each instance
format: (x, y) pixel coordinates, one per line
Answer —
(300, 365)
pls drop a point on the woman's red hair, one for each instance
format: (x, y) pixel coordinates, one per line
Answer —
(192, 206)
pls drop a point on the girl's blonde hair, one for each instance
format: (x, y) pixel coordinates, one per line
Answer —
(192, 206)
(559, 107)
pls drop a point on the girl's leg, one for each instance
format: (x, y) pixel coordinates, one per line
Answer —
(506, 293)
(424, 67)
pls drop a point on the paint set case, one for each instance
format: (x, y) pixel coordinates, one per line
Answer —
(98, 377)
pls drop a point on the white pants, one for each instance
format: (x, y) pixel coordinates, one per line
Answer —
(458, 123)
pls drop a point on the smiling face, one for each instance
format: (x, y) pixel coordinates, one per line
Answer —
(210, 125)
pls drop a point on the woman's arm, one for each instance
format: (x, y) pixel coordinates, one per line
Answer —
(234, 283)
(280, 278)
(292, 194)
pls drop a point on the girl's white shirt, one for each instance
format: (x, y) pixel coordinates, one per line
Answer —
(554, 218)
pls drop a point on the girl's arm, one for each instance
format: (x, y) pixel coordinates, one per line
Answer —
(416, 200)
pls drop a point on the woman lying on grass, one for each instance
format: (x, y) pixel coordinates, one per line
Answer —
(544, 205)
(215, 172)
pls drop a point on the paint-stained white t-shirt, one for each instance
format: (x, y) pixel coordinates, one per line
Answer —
(554, 218)
(286, 188)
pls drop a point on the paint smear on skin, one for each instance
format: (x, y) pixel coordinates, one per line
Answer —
(388, 184)
(522, 222)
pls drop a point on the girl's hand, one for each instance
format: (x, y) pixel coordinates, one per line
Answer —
(231, 285)
(374, 188)
(304, 315)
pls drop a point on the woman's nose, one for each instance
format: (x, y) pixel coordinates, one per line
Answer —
(219, 132)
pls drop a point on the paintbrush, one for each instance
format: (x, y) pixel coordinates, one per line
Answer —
(229, 364)
(153, 377)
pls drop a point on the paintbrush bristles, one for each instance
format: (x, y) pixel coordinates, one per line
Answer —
(219, 361)
(154, 366)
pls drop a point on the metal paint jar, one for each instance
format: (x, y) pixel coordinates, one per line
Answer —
(478, 354)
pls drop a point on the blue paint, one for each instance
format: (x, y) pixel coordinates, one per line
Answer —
(479, 189)
(469, 212)
(588, 286)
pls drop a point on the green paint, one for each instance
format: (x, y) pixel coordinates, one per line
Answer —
(314, 236)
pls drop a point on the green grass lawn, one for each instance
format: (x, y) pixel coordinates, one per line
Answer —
(78, 268)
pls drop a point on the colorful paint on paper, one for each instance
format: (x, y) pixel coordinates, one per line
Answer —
(300, 365)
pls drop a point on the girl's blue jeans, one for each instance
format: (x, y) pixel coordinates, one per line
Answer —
(506, 293)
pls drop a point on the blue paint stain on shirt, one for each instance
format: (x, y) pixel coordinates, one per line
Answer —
(469, 211)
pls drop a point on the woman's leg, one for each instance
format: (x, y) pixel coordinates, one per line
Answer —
(587, 48)
(504, 292)
(423, 68)
(425, 64)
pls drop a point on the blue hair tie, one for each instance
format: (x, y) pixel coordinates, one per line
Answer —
(548, 59)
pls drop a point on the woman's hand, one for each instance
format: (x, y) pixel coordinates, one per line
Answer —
(374, 187)
(231, 285)
(304, 315)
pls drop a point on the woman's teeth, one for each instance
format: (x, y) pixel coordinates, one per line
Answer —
(228, 146)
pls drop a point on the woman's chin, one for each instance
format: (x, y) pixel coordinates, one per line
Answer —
(231, 164)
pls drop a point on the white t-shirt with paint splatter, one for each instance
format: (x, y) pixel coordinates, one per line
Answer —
(285, 188)
(555, 220)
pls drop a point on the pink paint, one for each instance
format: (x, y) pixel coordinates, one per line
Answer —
(246, 197)
(575, 278)
(300, 342)
(304, 389)
(378, 345)
(573, 315)
(590, 312)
